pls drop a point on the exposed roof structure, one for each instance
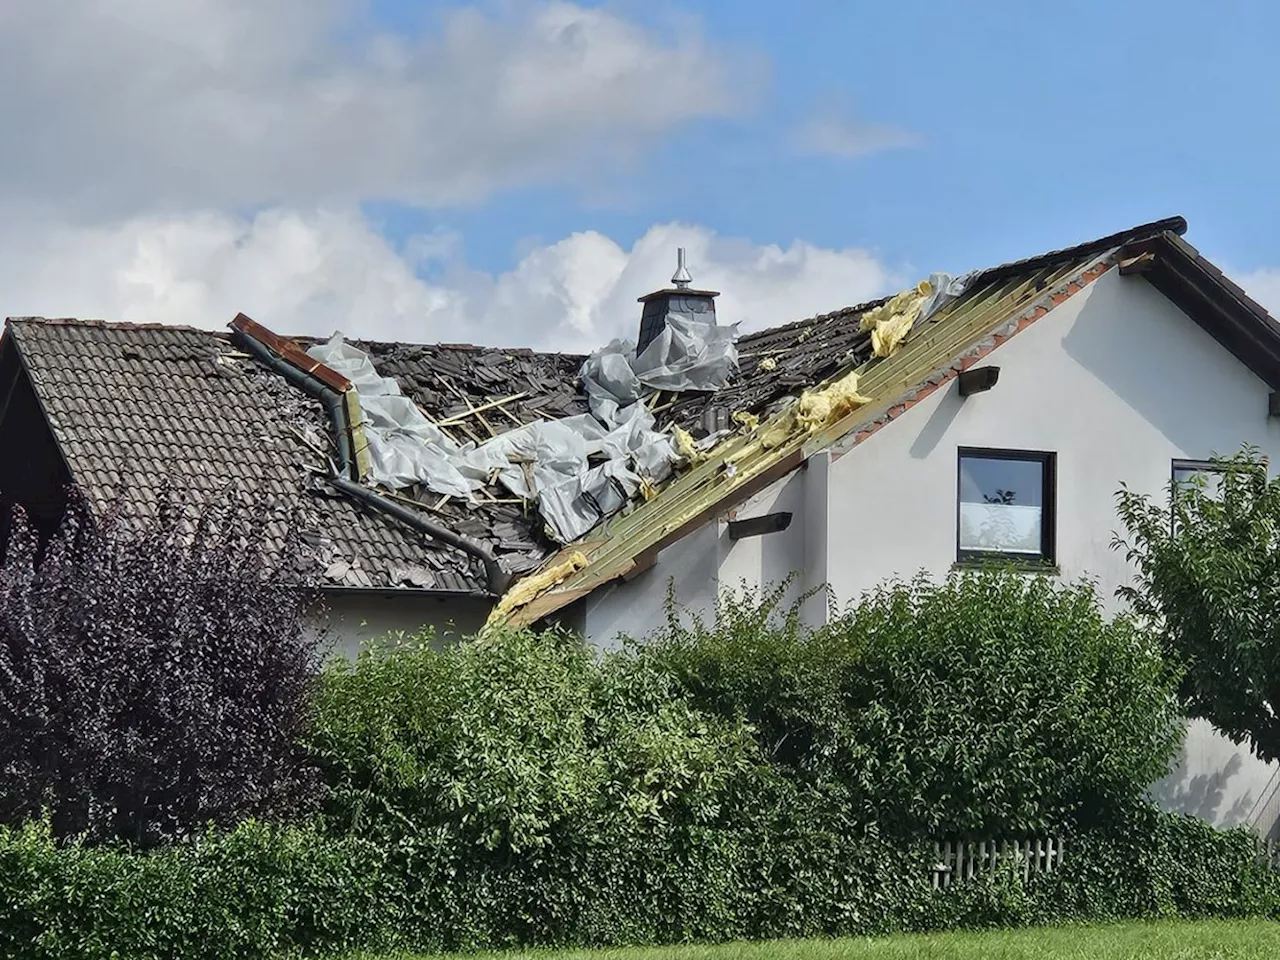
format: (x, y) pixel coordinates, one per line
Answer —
(130, 405)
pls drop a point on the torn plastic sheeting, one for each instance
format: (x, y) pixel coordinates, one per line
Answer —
(531, 461)
(404, 446)
(585, 500)
(687, 355)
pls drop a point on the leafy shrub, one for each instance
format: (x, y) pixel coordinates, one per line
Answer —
(532, 793)
(1148, 864)
(990, 704)
(152, 678)
(1207, 568)
(755, 778)
(256, 891)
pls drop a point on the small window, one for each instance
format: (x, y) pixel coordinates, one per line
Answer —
(1005, 508)
(1204, 474)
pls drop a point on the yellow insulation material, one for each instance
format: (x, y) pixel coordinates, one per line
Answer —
(818, 408)
(768, 363)
(890, 322)
(777, 433)
(814, 410)
(685, 447)
(534, 584)
(747, 419)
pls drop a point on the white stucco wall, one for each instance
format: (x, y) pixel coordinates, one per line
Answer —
(707, 562)
(344, 620)
(1117, 382)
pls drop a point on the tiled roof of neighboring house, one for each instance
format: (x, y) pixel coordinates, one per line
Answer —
(130, 404)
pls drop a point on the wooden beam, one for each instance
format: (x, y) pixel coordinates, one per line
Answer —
(759, 526)
(286, 349)
(480, 409)
(1138, 264)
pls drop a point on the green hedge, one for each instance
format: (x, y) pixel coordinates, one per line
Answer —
(991, 704)
(259, 892)
(753, 779)
(255, 891)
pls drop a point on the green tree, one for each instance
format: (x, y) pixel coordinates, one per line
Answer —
(1208, 576)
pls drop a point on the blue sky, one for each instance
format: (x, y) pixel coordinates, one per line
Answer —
(519, 171)
(1036, 125)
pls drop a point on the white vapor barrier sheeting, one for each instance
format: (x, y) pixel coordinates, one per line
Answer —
(689, 354)
(945, 289)
(579, 469)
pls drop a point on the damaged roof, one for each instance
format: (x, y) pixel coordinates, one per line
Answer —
(130, 405)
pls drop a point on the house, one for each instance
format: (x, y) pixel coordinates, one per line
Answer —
(1002, 419)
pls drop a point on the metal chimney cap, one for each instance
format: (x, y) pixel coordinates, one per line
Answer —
(681, 278)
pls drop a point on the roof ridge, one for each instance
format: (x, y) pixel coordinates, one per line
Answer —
(95, 324)
(1175, 224)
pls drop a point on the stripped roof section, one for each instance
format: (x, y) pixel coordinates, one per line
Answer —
(778, 363)
(933, 352)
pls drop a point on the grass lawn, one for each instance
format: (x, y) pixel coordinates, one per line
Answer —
(1156, 941)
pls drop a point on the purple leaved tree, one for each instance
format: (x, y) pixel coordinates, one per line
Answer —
(154, 673)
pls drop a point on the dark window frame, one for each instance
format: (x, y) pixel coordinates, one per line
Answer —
(1189, 466)
(1192, 466)
(1048, 461)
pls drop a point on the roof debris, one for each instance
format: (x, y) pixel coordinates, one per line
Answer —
(528, 588)
(865, 359)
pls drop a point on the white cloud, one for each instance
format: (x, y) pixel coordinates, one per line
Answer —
(111, 110)
(316, 272)
(835, 131)
(138, 132)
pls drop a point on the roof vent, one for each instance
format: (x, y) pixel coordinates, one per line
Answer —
(678, 299)
(681, 278)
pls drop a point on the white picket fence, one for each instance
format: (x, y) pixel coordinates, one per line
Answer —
(961, 861)
(1269, 853)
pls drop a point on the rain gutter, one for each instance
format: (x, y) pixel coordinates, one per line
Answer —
(496, 578)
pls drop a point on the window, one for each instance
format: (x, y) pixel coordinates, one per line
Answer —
(1005, 508)
(1205, 473)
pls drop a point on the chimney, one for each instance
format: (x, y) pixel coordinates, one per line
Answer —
(678, 299)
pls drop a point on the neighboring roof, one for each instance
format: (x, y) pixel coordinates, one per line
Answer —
(132, 404)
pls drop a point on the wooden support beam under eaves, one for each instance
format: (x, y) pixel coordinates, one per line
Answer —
(759, 526)
(1139, 264)
(978, 380)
